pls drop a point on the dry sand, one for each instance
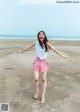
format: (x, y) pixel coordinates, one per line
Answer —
(17, 77)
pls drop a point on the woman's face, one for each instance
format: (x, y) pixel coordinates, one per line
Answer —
(41, 36)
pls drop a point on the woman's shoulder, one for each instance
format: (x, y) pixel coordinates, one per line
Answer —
(36, 42)
(49, 44)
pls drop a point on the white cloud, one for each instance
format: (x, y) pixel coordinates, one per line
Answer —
(37, 2)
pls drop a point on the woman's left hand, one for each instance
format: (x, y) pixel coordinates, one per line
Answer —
(65, 57)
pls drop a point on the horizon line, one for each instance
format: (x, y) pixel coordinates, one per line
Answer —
(12, 35)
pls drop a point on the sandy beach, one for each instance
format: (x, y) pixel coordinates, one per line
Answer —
(17, 77)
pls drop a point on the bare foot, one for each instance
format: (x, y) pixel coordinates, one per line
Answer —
(36, 94)
(42, 100)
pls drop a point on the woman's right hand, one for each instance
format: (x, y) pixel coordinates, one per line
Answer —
(19, 52)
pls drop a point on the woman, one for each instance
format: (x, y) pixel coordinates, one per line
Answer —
(40, 63)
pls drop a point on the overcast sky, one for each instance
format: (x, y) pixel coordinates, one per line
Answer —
(27, 17)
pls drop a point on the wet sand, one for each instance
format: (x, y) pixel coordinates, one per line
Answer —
(17, 77)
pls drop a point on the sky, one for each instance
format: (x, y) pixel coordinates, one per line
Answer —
(28, 17)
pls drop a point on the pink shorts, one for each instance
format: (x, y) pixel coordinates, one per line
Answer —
(40, 65)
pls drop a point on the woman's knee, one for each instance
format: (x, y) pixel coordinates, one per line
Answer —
(44, 80)
(36, 80)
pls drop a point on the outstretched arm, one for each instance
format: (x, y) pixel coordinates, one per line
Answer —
(55, 50)
(27, 48)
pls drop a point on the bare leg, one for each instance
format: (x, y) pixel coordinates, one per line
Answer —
(44, 84)
(36, 78)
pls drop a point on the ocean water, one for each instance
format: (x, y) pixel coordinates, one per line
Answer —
(35, 37)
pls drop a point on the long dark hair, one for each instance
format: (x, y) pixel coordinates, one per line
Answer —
(44, 41)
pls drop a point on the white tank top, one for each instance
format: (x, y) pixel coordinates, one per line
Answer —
(40, 52)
